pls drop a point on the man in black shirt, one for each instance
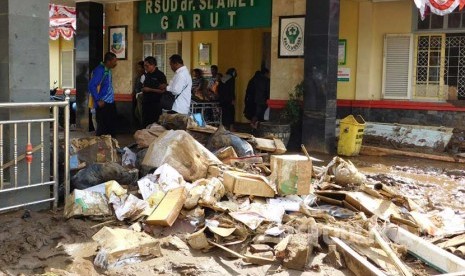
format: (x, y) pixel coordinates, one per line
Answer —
(154, 85)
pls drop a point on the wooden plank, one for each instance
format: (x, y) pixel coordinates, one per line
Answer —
(280, 147)
(168, 210)
(357, 264)
(211, 130)
(433, 255)
(455, 241)
(390, 253)
(377, 151)
(265, 144)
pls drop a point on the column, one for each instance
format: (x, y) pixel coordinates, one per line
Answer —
(320, 75)
(89, 53)
(24, 77)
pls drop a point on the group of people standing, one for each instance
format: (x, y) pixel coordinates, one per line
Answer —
(219, 88)
(151, 82)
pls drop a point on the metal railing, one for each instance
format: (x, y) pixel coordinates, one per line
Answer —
(24, 184)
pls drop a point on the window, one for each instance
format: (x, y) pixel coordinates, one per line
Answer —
(440, 66)
(429, 66)
(397, 66)
(439, 57)
(67, 69)
(162, 50)
(454, 63)
(454, 20)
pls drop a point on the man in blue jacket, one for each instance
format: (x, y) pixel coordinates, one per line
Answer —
(101, 90)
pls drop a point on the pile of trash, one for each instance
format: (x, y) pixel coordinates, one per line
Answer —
(242, 194)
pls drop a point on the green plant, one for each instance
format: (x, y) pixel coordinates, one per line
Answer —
(293, 108)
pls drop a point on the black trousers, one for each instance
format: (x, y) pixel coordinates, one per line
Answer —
(228, 114)
(151, 109)
(106, 119)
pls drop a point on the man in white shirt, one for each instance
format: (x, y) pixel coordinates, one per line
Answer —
(180, 86)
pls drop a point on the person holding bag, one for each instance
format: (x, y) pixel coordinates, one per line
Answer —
(102, 93)
(179, 89)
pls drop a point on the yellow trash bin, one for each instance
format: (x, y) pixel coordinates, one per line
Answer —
(350, 135)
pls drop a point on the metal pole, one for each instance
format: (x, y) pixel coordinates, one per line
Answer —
(55, 157)
(66, 172)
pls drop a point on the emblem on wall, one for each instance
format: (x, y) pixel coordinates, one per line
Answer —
(291, 36)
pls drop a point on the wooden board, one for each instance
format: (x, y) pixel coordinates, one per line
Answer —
(211, 130)
(359, 265)
(280, 147)
(433, 255)
(377, 151)
(168, 210)
(264, 144)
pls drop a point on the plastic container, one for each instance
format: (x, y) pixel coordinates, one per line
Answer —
(350, 135)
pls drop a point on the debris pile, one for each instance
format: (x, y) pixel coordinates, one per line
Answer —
(244, 196)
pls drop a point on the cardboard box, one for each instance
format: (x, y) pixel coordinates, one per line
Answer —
(247, 184)
(291, 174)
(120, 245)
(168, 210)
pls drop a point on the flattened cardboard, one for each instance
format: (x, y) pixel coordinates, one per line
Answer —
(247, 184)
(363, 202)
(168, 210)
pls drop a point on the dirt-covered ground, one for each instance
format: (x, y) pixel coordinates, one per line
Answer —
(33, 243)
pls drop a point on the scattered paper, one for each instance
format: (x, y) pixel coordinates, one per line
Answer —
(128, 158)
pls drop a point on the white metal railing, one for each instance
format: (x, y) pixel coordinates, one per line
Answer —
(25, 184)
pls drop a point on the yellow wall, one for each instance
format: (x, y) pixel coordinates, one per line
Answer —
(116, 14)
(54, 53)
(376, 20)
(210, 37)
(240, 49)
(348, 27)
(285, 73)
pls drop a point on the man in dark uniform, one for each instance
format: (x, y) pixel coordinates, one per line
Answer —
(154, 85)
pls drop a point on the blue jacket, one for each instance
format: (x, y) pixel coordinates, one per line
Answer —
(101, 76)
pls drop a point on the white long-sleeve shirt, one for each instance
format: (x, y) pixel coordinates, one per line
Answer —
(181, 85)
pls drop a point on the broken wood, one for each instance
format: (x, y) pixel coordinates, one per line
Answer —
(350, 236)
(377, 151)
(356, 263)
(253, 259)
(212, 130)
(454, 242)
(370, 191)
(280, 147)
(228, 250)
(274, 145)
(433, 255)
(103, 223)
(390, 253)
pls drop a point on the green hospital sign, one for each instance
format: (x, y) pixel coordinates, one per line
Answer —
(157, 16)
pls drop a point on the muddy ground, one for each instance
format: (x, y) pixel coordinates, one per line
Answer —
(33, 243)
